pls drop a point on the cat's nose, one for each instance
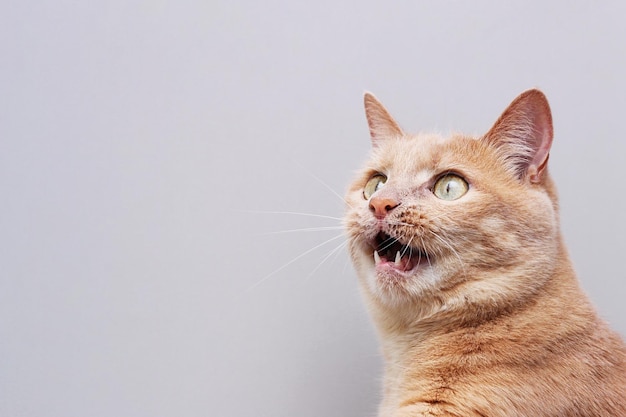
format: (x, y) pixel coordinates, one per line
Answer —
(380, 206)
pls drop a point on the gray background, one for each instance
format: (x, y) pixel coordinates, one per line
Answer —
(144, 143)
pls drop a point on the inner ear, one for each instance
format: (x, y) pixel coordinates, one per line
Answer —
(382, 126)
(523, 135)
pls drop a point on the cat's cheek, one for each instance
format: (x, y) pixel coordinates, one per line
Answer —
(371, 281)
(365, 272)
(364, 264)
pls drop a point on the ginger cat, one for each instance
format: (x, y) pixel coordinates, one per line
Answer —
(460, 259)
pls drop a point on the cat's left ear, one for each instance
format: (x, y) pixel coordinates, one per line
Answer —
(382, 125)
(523, 134)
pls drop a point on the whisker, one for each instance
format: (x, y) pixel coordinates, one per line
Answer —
(391, 241)
(307, 229)
(444, 242)
(294, 260)
(408, 246)
(427, 257)
(328, 255)
(335, 193)
(295, 213)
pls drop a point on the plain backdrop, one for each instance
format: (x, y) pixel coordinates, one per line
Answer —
(153, 155)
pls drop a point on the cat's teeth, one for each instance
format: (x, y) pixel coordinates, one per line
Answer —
(376, 257)
(398, 258)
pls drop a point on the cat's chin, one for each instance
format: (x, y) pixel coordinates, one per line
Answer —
(401, 285)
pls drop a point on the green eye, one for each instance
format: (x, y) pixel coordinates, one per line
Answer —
(450, 187)
(374, 184)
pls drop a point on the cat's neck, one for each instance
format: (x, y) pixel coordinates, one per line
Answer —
(403, 329)
(554, 316)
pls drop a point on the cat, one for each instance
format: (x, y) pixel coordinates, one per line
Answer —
(461, 262)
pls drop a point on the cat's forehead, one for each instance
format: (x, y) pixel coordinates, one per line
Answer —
(419, 153)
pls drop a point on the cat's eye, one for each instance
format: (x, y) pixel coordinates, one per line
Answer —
(374, 184)
(450, 187)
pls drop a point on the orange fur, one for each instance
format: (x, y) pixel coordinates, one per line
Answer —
(493, 321)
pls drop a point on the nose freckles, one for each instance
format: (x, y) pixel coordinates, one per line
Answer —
(381, 206)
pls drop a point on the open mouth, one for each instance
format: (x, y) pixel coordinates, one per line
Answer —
(389, 252)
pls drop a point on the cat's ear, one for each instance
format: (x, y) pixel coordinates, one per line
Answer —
(382, 125)
(523, 134)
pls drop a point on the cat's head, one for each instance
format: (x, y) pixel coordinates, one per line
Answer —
(435, 223)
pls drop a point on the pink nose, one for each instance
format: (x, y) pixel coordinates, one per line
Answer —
(380, 206)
